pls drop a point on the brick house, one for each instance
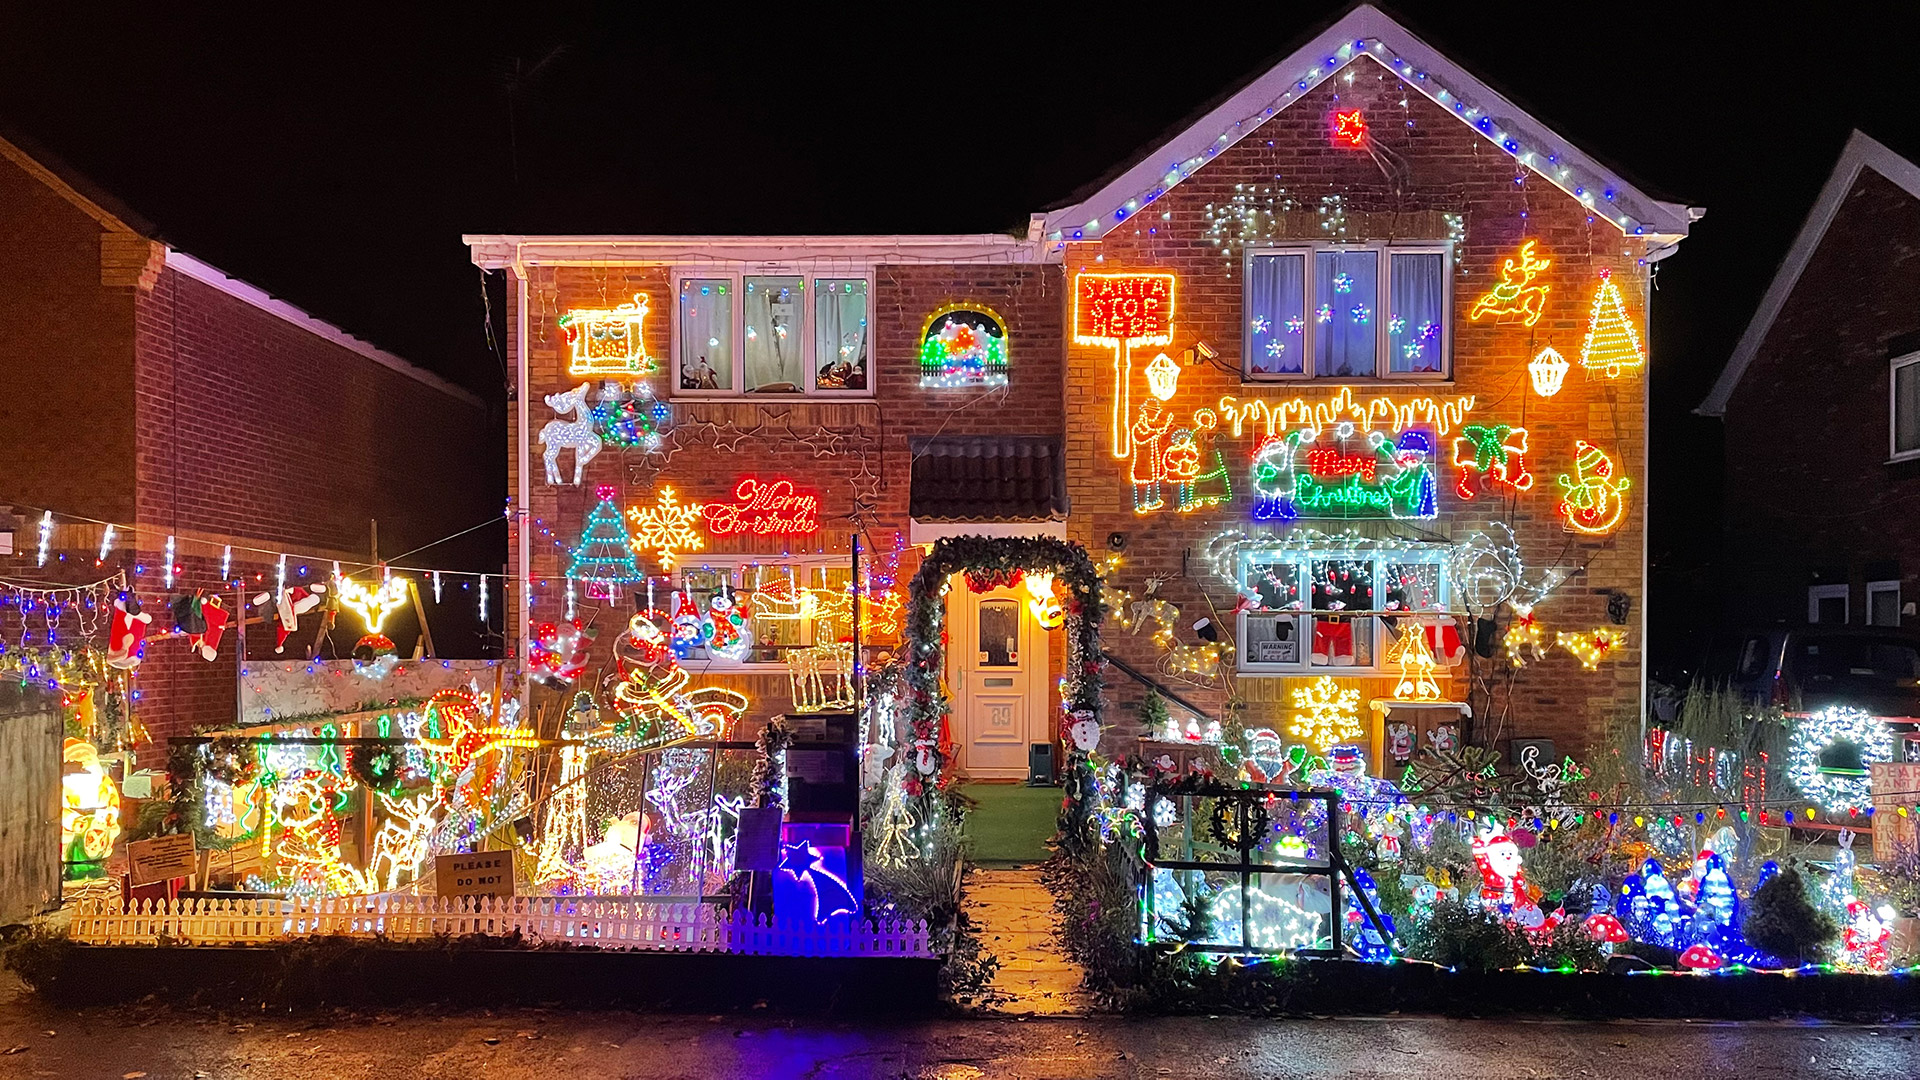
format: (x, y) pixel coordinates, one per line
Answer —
(1821, 403)
(1313, 368)
(151, 391)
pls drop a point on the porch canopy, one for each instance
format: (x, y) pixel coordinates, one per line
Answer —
(987, 485)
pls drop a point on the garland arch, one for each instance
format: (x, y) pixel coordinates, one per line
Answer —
(998, 561)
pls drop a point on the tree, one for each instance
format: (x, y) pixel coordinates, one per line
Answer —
(1782, 922)
(604, 558)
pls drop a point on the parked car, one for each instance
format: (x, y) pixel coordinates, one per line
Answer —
(1808, 668)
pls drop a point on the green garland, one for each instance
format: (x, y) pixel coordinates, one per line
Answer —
(995, 559)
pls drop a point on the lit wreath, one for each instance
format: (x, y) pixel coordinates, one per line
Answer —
(1836, 723)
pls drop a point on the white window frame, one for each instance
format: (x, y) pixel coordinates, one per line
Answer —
(1302, 559)
(1817, 593)
(1883, 587)
(733, 564)
(736, 276)
(1894, 453)
(1383, 360)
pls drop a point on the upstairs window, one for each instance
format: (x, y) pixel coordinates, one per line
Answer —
(776, 333)
(1346, 311)
(1904, 408)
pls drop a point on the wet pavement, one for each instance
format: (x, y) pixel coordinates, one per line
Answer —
(1014, 911)
(158, 1042)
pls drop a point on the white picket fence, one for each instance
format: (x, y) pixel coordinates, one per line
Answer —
(607, 923)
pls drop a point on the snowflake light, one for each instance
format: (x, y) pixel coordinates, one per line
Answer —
(667, 527)
(1327, 713)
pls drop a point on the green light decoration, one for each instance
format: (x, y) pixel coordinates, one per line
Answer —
(603, 561)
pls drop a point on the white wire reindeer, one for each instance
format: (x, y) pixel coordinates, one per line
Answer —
(577, 433)
(1154, 608)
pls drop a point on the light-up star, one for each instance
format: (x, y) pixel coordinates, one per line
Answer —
(373, 605)
(1362, 314)
(1324, 314)
(1429, 331)
(1412, 349)
(1296, 324)
(830, 893)
(1261, 324)
(1396, 326)
(1343, 283)
(1276, 347)
(1349, 128)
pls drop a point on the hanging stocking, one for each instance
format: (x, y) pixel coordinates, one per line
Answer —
(128, 633)
(214, 618)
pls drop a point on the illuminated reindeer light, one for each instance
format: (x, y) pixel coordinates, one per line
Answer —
(576, 433)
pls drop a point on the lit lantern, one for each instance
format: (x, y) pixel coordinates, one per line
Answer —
(1549, 370)
(1163, 377)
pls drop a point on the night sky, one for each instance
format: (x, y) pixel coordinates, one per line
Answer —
(335, 160)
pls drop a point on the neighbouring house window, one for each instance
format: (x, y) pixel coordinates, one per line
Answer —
(840, 334)
(1905, 407)
(1827, 605)
(1336, 611)
(1363, 312)
(774, 333)
(706, 334)
(1883, 603)
(789, 604)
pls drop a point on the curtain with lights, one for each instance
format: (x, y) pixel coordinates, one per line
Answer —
(706, 335)
(1346, 288)
(840, 334)
(1276, 308)
(773, 342)
(1416, 340)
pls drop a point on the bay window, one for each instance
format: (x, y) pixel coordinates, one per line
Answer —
(1359, 311)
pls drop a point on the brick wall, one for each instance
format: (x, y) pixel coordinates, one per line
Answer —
(256, 432)
(1439, 167)
(1810, 496)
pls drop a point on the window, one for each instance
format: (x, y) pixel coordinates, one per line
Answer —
(789, 604)
(1362, 312)
(1827, 604)
(1883, 603)
(1337, 611)
(1904, 408)
(774, 333)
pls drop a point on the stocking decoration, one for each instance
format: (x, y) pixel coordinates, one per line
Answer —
(127, 635)
(214, 618)
(294, 601)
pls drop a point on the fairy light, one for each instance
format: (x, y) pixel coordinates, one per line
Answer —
(1612, 346)
(46, 536)
(169, 569)
(1834, 788)
(106, 543)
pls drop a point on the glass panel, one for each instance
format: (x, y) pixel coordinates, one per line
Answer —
(1831, 609)
(699, 587)
(1276, 314)
(706, 334)
(1276, 586)
(999, 641)
(780, 602)
(773, 344)
(833, 605)
(840, 334)
(1342, 585)
(1273, 639)
(1883, 607)
(1906, 408)
(1289, 911)
(1415, 342)
(1346, 288)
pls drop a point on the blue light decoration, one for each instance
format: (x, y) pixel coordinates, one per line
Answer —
(1336, 473)
(827, 892)
(1366, 940)
(1650, 908)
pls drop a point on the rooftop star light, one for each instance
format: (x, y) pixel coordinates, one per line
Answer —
(373, 605)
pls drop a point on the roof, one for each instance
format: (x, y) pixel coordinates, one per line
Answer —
(114, 217)
(499, 251)
(1366, 31)
(987, 478)
(1861, 152)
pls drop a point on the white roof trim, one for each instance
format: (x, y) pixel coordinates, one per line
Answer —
(240, 290)
(1861, 152)
(1367, 31)
(495, 252)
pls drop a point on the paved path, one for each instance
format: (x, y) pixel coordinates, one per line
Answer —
(1014, 914)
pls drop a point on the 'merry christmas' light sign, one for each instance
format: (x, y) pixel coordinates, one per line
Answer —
(765, 508)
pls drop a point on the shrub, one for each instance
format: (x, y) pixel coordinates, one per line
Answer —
(1782, 921)
(1468, 937)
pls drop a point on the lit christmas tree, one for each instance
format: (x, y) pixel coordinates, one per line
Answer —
(1611, 346)
(604, 559)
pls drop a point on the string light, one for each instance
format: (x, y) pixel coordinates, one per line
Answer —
(169, 569)
(1612, 346)
(1277, 417)
(1516, 294)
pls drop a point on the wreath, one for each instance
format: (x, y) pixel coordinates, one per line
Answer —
(1837, 788)
(1230, 829)
(378, 768)
(232, 759)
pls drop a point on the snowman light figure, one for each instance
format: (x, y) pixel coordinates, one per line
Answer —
(725, 629)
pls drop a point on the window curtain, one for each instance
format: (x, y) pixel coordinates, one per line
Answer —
(706, 335)
(1416, 337)
(840, 334)
(773, 345)
(1276, 308)
(1346, 288)
(1906, 408)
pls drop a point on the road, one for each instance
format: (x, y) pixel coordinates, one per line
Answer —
(158, 1042)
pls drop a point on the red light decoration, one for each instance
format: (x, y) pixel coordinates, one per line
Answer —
(1349, 128)
(765, 508)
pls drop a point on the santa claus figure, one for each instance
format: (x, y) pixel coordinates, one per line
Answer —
(1504, 889)
(1865, 938)
(293, 602)
(127, 634)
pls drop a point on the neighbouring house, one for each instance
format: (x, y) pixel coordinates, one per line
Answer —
(158, 407)
(1821, 404)
(1343, 384)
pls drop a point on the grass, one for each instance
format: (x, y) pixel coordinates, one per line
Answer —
(1012, 823)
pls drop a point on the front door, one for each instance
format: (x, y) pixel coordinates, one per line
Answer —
(997, 672)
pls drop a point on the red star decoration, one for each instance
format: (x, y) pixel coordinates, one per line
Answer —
(1349, 128)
